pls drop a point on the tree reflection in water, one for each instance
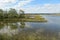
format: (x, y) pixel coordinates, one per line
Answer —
(10, 27)
(1, 25)
(22, 25)
(29, 34)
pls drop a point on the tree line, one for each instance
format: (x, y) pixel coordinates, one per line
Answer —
(12, 13)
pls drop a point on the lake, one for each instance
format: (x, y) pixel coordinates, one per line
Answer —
(34, 30)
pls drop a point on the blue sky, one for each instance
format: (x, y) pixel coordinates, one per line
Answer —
(46, 1)
(31, 6)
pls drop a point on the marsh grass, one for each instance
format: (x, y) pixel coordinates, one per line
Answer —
(29, 35)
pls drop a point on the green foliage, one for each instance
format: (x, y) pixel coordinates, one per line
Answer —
(1, 13)
(21, 14)
(12, 13)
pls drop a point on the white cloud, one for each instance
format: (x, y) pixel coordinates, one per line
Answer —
(45, 8)
(22, 3)
(6, 3)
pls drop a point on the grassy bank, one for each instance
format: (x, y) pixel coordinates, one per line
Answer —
(37, 18)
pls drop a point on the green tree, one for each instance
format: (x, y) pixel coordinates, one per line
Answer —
(21, 12)
(12, 13)
(5, 14)
(1, 13)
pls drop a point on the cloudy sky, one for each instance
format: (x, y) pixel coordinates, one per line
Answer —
(32, 6)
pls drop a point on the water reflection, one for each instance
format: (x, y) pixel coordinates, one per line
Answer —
(16, 25)
(1, 25)
(32, 30)
(11, 28)
(12, 25)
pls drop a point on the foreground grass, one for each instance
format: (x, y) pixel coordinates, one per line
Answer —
(29, 36)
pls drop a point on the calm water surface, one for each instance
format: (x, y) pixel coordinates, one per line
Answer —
(50, 28)
(53, 24)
